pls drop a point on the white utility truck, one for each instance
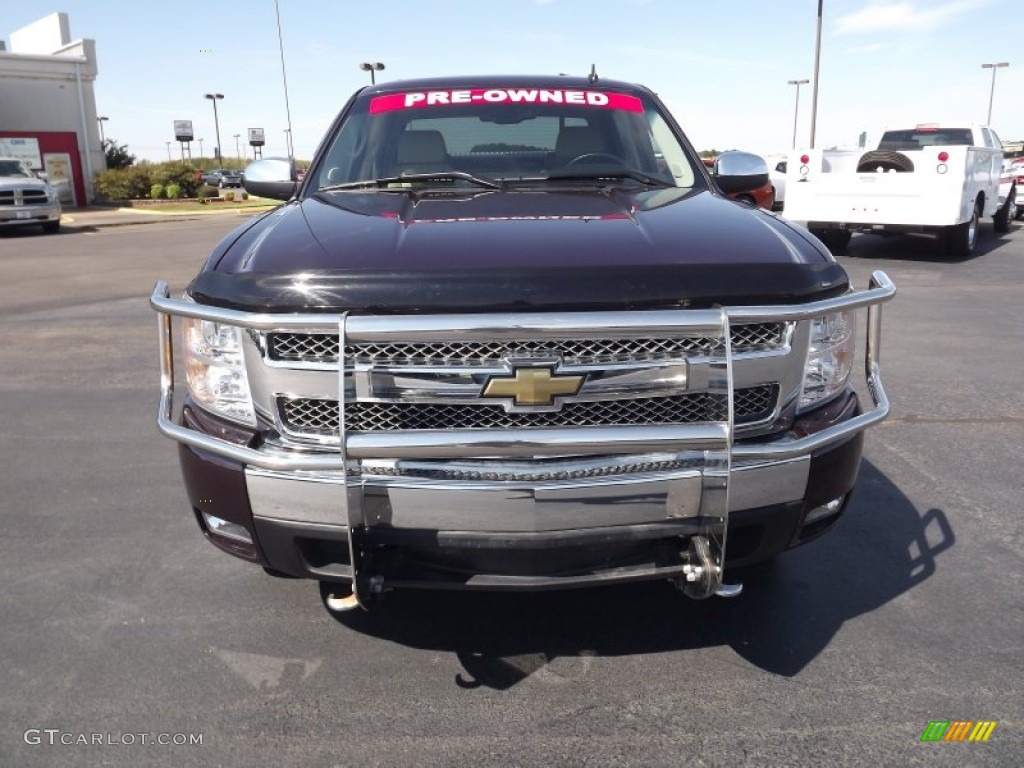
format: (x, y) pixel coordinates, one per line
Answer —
(930, 179)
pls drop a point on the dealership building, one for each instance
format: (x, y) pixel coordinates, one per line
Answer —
(48, 108)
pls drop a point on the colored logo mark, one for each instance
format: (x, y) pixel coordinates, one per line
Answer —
(958, 730)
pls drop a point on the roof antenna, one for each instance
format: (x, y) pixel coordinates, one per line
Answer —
(593, 74)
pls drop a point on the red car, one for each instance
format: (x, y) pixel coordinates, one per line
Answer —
(762, 196)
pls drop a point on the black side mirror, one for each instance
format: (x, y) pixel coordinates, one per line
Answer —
(274, 177)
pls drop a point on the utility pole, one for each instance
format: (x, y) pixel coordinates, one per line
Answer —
(796, 109)
(817, 63)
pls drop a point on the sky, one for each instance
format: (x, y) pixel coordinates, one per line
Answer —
(722, 68)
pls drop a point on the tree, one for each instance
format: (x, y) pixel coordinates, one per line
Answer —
(118, 155)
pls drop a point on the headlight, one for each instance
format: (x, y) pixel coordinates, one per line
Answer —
(829, 357)
(216, 369)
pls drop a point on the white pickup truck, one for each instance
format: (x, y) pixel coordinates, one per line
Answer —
(930, 179)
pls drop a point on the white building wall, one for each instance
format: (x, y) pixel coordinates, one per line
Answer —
(46, 84)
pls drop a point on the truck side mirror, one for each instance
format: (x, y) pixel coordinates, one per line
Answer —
(274, 177)
(740, 171)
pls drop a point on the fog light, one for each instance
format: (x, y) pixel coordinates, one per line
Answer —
(226, 528)
(825, 510)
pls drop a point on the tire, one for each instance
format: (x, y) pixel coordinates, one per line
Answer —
(836, 240)
(885, 160)
(961, 239)
(1006, 214)
(52, 227)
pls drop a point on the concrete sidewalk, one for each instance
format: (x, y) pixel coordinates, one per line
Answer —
(96, 216)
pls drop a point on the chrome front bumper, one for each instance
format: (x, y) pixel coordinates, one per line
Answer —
(352, 487)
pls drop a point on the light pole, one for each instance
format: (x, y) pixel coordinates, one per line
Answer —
(200, 152)
(238, 152)
(992, 90)
(288, 141)
(101, 120)
(375, 66)
(796, 109)
(216, 124)
(817, 62)
(168, 150)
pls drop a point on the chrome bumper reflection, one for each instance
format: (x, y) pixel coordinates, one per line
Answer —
(404, 502)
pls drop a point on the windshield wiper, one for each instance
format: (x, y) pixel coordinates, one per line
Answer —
(616, 173)
(384, 181)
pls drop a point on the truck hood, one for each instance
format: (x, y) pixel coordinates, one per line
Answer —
(490, 250)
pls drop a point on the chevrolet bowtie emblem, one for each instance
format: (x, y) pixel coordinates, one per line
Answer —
(532, 386)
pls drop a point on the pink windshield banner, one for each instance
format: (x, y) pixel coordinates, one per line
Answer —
(584, 98)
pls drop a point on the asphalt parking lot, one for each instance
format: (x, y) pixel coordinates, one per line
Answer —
(118, 619)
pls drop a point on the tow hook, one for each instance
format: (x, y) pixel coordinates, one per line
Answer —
(702, 577)
(340, 603)
(337, 601)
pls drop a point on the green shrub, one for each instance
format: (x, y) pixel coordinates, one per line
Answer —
(177, 173)
(156, 191)
(132, 183)
(245, 195)
(206, 191)
(229, 196)
(173, 191)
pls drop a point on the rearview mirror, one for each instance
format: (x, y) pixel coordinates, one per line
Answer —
(274, 177)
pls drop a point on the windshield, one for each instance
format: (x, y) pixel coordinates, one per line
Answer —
(477, 136)
(15, 168)
(925, 137)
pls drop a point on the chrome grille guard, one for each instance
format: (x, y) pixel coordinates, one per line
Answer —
(713, 439)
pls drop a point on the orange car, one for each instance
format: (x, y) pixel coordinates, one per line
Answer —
(762, 196)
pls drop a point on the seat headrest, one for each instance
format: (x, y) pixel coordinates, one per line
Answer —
(421, 147)
(579, 140)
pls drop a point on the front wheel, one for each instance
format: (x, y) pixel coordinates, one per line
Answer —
(962, 238)
(52, 227)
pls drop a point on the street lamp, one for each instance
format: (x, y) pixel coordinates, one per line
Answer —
(101, 120)
(238, 152)
(367, 66)
(992, 90)
(216, 123)
(288, 141)
(200, 152)
(796, 109)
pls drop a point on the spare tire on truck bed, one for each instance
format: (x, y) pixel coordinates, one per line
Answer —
(885, 160)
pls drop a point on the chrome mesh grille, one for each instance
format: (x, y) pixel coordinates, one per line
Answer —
(306, 416)
(323, 348)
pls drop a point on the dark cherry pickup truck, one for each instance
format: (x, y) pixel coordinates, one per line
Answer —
(509, 334)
